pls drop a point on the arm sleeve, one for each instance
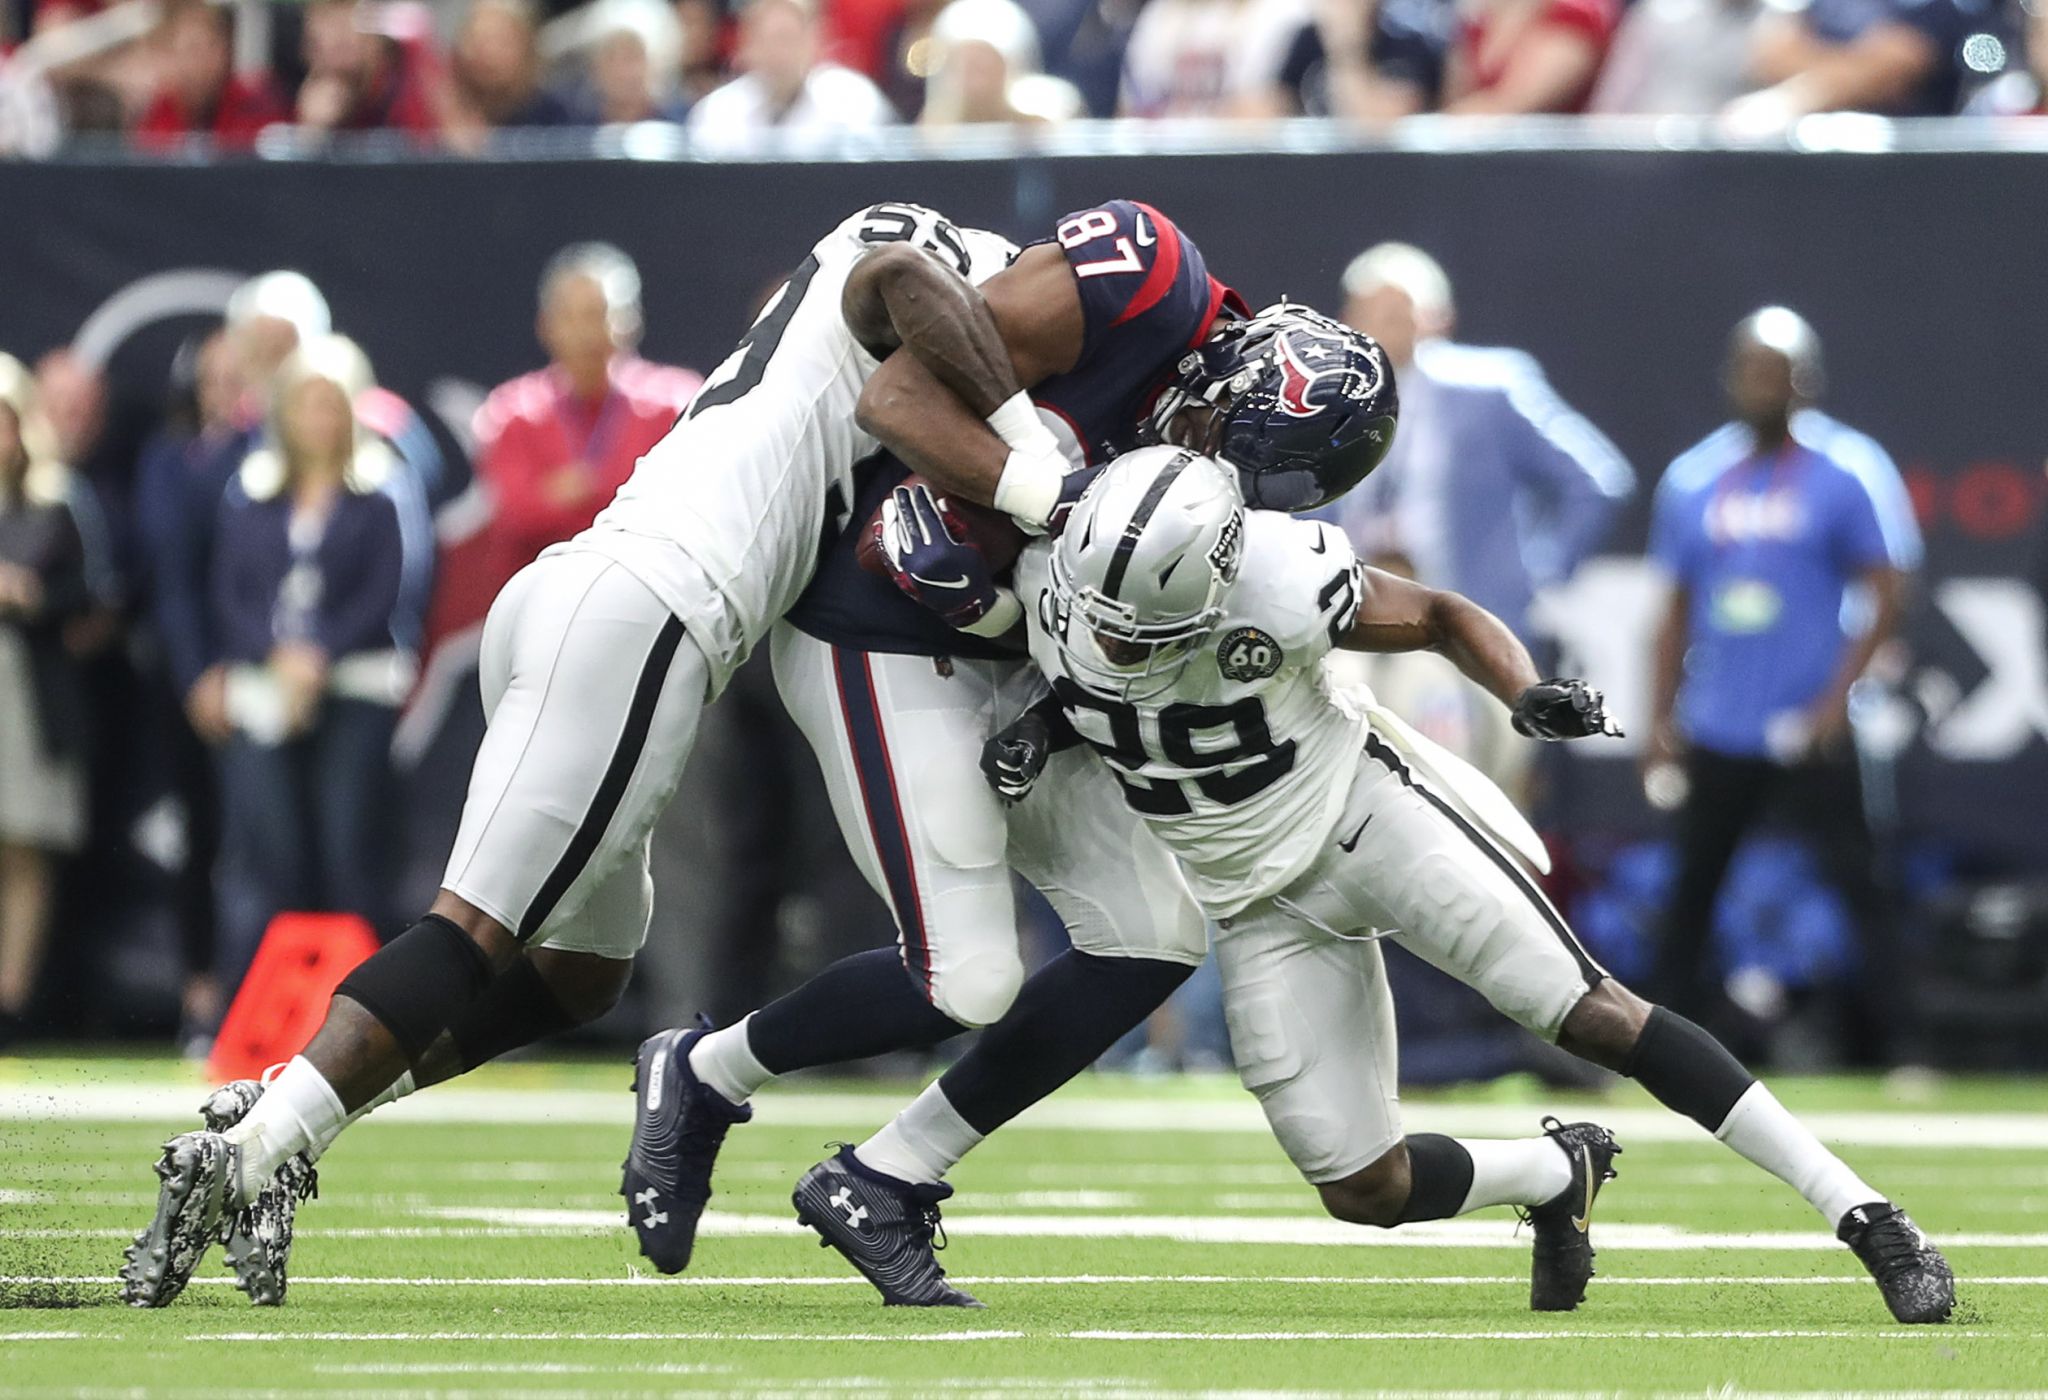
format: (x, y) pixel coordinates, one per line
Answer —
(1578, 475)
(514, 467)
(1878, 525)
(1331, 587)
(356, 615)
(1146, 293)
(1671, 531)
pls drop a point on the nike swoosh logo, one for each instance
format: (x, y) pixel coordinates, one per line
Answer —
(1352, 844)
(1146, 238)
(1319, 547)
(1586, 1161)
(923, 582)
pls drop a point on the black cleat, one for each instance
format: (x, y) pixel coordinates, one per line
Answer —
(257, 1239)
(198, 1173)
(1911, 1273)
(884, 1227)
(1563, 1259)
(677, 1132)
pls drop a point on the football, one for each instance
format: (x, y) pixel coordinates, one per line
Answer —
(997, 537)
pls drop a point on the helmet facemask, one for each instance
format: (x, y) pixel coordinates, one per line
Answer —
(1109, 649)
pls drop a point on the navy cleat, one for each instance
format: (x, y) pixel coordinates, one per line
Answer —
(677, 1132)
(1563, 1258)
(1911, 1273)
(198, 1173)
(886, 1228)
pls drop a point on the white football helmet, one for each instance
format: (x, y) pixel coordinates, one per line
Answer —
(1139, 574)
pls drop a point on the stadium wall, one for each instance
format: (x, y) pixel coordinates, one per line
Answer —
(1621, 270)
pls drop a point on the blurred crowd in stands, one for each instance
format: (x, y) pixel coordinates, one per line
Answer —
(456, 76)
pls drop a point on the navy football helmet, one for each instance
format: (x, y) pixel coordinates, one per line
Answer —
(1305, 405)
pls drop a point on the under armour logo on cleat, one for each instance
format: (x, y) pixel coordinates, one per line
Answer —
(842, 1199)
(654, 1217)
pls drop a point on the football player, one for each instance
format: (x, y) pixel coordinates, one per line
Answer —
(1183, 638)
(898, 704)
(598, 659)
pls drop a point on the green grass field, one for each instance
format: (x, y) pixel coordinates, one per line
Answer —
(1130, 1238)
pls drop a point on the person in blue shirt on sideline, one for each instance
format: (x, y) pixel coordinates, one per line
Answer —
(1789, 540)
(1495, 487)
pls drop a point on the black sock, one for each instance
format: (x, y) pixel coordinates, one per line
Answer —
(1440, 1177)
(1686, 1069)
(1070, 1011)
(516, 1009)
(860, 1006)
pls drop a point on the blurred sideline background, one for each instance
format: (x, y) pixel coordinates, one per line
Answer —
(534, 227)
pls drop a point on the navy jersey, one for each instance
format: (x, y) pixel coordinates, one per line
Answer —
(1146, 298)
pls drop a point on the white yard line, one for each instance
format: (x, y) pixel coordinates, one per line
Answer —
(1122, 1113)
(1419, 1334)
(1469, 1233)
(1606, 1281)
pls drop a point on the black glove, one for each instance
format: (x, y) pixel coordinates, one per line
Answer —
(1013, 759)
(1562, 708)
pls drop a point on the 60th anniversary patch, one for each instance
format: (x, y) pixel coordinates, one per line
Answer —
(1247, 654)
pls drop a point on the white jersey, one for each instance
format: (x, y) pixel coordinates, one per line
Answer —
(723, 518)
(1241, 769)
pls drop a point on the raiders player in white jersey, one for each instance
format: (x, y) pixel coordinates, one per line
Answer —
(1184, 639)
(596, 663)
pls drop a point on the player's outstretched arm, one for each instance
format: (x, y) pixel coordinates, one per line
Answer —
(950, 399)
(1398, 614)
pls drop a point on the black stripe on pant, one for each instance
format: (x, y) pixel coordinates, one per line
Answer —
(1376, 747)
(611, 789)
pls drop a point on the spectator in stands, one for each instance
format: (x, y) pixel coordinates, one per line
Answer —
(702, 66)
(1527, 56)
(1371, 62)
(368, 68)
(1210, 58)
(304, 585)
(1769, 529)
(635, 51)
(554, 445)
(1683, 57)
(985, 68)
(200, 94)
(184, 473)
(1494, 487)
(45, 583)
(2020, 91)
(1898, 58)
(495, 77)
(785, 85)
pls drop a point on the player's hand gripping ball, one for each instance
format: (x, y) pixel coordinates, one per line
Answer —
(932, 558)
(1563, 709)
(1013, 759)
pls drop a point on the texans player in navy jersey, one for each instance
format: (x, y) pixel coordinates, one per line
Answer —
(1101, 319)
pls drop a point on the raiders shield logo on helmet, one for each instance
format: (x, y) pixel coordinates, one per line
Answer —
(1247, 654)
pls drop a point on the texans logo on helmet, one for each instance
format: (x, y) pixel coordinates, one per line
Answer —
(1299, 376)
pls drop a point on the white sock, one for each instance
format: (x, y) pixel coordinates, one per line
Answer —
(298, 1109)
(1515, 1171)
(725, 1061)
(1764, 1131)
(398, 1089)
(922, 1143)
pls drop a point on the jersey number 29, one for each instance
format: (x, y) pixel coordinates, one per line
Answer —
(1188, 738)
